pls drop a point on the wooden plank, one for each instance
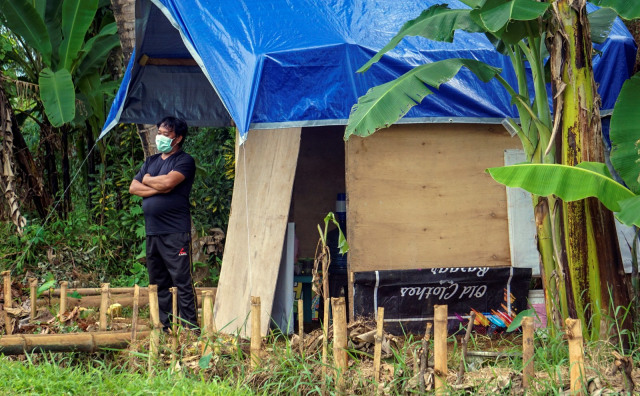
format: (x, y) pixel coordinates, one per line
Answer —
(419, 198)
(266, 165)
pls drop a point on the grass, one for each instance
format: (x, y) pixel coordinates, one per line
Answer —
(282, 370)
(54, 375)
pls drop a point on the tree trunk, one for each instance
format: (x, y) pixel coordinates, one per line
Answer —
(7, 178)
(124, 14)
(91, 165)
(32, 173)
(591, 262)
(47, 138)
(66, 173)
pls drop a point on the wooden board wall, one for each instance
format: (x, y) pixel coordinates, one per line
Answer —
(265, 168)
(319, 178)
(418, 197)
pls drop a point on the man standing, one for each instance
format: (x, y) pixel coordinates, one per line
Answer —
(164, 182)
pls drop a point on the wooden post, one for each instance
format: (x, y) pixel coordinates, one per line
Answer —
(465, 342)
(527, 352)
(134, 315)
(174, 308)
(440, 348)
(207, 322)
(377, 350)
(33, 283)
(63, 297)
(576, 356)
(424, 357)
(7, 301)
(339, 340)
(154, 337)
(301, 324)
(174, 325)
(325, 344)
(256, 337)
(104, 306)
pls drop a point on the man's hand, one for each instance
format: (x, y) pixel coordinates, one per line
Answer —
(142, 190)
(163, 183)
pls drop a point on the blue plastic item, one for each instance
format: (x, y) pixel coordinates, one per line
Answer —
(274, 64)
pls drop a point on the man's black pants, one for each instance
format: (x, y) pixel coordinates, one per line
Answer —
(169, 265)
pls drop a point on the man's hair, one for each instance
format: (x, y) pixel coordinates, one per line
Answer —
(176, 125)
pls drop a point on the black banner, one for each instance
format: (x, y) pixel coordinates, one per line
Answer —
(408, 296)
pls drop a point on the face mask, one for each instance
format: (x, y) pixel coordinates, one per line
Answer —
(163, 143)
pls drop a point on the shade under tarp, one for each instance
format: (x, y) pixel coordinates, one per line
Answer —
(276, 64)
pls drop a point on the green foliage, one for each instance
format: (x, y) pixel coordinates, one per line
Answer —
(625, 134)
(517, 321)
(387, 103)
(625, 8)
(213, 150)
(567, 182)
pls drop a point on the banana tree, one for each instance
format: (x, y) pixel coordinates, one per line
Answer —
(518, 29)
(61, 57)
(63, 48)
(589, 179)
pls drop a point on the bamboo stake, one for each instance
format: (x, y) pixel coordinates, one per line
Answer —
(154, 337)
(7, 301)
(377, 351)
(63, 297)
(256, 338)
(424, 356)
(174, 324)
(339, 340)
(174, 308)
(576, 356)
(19, 344)
(325, 344)
(96, 291)
(301, 324)
(104, 306)
(33, 283)
(465, 342)
(527, 352)
(134, 315)
(207, 322)
(440, 348)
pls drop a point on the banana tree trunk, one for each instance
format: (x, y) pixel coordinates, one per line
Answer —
(7, 178)
(590, 260)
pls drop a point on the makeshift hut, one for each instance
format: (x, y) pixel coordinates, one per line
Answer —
(284, 72)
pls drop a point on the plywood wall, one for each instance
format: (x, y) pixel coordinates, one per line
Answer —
(418, 197)
(265, 168)
(320, 176)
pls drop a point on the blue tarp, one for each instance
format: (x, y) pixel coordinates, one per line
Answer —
(271, 64)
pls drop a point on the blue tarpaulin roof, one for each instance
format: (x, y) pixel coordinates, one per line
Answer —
(271, 64)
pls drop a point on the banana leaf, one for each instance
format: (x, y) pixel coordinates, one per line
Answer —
(77, 16)
(387, 103)
(437, 23)
(570, 183)
(97, 55)
(601, 22)
(630, 211)
(625, 132)
(23, 19)
(628, 9)
(497, 18)
(53, 21)
(58, 96)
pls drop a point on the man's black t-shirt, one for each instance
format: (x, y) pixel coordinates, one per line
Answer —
(168, 213)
